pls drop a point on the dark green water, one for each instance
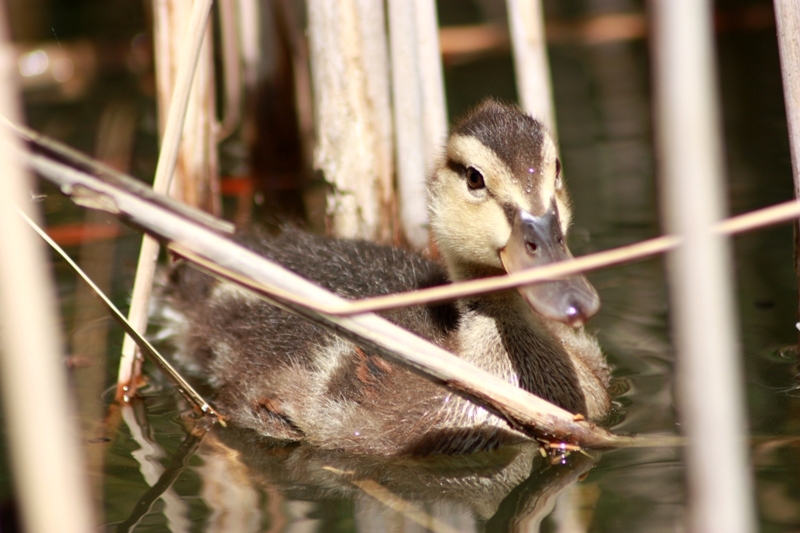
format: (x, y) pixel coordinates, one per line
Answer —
(230, 482)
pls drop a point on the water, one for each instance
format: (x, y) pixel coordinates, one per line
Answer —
(232, 482)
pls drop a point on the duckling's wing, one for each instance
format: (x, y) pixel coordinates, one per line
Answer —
(290, 379)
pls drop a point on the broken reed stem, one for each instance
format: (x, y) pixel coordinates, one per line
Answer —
(111, 175)
(130, 365)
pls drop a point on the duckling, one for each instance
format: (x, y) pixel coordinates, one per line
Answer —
(496, 203)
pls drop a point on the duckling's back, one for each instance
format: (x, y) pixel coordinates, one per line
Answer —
(289, 379)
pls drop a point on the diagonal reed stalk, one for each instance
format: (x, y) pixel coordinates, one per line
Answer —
(186, 390)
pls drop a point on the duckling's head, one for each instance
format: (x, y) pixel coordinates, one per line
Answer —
(498, 203)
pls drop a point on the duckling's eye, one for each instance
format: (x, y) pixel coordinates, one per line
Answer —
(474, 179)
(532, 247)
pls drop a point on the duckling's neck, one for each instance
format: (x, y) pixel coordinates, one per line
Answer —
(502, 334)
(463, 271)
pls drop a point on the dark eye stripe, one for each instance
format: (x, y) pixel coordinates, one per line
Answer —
(458, 168)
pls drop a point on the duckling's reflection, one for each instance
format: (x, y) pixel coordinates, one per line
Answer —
(251, 484)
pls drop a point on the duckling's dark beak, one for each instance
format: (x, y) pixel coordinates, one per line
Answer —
(535, 241)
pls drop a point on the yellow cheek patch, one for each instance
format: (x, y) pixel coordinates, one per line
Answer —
(452, 201)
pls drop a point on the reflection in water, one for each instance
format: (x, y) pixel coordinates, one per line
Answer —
(252, 484)
(160, 479)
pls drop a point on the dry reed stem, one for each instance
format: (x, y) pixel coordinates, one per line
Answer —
(231, 69)
(248, 23)
(195, 178)
(89, 339)
(708, 370)
(420, 119)
(51, 488)
(352, 115)
(529, 44)
(787, 20)
(130, 364)
(176, 116)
